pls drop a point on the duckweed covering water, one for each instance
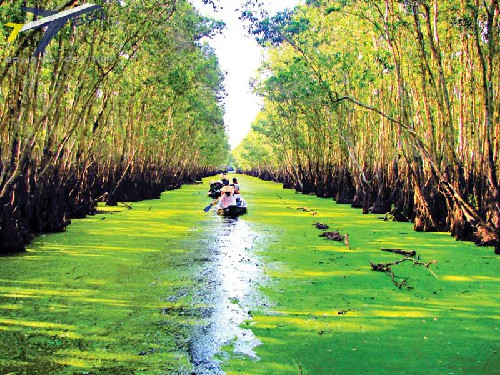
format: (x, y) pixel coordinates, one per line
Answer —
(119, 293)
(109, 295)
(332, 314)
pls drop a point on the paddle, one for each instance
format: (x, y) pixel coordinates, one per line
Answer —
(206, 209)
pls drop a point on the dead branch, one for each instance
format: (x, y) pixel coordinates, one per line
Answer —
(408, 253)
(387, 268)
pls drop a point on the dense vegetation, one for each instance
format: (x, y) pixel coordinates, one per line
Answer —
(116, 109)
(384, 104)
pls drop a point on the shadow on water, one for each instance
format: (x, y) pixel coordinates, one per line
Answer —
(228, 279)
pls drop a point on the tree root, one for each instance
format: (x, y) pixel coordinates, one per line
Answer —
(396, 215)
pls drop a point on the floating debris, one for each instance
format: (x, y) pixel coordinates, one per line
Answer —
(321, 225)
(333, 236)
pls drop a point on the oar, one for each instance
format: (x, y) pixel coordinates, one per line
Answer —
(206, 209)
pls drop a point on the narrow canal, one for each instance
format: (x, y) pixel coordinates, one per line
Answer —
(227, 284)
(165, 288)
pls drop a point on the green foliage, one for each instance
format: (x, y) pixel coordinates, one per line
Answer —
(254, 152)
(143, 81)
(324, 51)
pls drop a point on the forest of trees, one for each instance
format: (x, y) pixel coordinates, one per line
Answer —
(118, 109)
(384, 105)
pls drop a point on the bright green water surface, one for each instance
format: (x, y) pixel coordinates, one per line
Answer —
(118, 293)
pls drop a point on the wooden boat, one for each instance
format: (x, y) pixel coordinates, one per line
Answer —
(232, 211)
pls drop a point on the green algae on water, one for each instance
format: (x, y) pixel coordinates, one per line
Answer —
(95, 298)
(113, 294)
(331, 314)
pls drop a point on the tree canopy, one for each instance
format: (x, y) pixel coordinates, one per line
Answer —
(385, 104)
(117, 108)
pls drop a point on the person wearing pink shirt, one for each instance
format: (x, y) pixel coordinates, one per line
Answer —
(227, 197)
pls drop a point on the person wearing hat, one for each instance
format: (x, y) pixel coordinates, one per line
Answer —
(227, 197)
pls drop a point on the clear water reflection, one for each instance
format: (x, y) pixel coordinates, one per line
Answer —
(228, 282)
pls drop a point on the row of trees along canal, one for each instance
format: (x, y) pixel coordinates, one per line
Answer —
(384, 104)
(118, 109)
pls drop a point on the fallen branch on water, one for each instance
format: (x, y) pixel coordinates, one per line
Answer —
(387, 267)
(408, 253)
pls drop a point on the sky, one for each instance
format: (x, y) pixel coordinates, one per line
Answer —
(239, 56)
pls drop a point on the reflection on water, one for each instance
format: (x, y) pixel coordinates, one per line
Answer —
(228, 288)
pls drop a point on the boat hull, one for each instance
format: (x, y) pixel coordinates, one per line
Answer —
(232, 211)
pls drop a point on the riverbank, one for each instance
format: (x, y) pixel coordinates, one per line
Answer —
(160, 287)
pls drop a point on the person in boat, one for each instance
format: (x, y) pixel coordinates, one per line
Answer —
(236, 188)
(215, 187)
(223, 179)
(227, 197)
